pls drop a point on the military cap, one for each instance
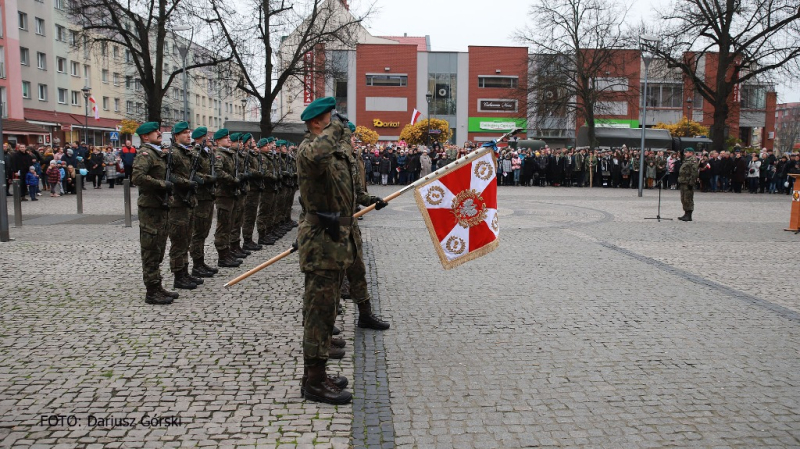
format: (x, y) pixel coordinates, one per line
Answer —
(247, 137)
(221, 133)
(235, 137)
(351, 126)
(318, 107)
(262, 142)
(688, 149)
(147, 128)
(280, 143)
(180, 127)
(199, 132)
(271, 139)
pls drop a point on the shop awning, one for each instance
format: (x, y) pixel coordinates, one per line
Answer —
(70, 121)
(11, 126)
(630, 137)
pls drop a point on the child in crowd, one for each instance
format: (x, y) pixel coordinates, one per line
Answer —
(651, 174)
(32, 181)
(54, 178)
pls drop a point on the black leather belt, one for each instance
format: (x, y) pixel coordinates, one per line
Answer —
(313, 219)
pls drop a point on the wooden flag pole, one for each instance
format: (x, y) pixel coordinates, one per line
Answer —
(457, 163)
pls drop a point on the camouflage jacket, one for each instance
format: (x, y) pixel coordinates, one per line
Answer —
(225, 168)
(326, 185)
(689, 172)
(149, 173)
(255, 164)
(362, 197)
(244, 167)
(271, 170)
(183, 195)
(205, 191)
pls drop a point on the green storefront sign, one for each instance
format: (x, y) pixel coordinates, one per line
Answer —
(495, 124)
(616, 123)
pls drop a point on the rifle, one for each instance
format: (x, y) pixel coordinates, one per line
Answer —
(192, 174)
(236, 172)
(260, 172)
(246, 172)
(275, 173)
(211, 156)
(165, 200)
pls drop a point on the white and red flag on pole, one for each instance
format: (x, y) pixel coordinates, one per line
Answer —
(95, 110)
(460, 209)
(415, 116)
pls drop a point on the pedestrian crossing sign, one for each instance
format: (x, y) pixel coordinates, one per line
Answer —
(114, 136)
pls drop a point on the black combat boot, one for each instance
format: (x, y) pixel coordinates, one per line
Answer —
(293, 223)
(165, 292)
(250, 245)
(236, 252)
(335, 353)
(338, 342)
(336, 331)
(687, 216)
(194, 279)
(320, 388)
(198, 270)
(210, 269)
(262, 239)
(367, 320)
(227, 260)
(154, 296)
(339, 381)
(183, 282)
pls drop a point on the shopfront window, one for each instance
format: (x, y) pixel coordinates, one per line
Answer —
(503, 82)
(664, 95)
(443, 88)
(387, 80)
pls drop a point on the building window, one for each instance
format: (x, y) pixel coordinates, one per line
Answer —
(105, 76)
(137, 85)
(73, 38)
(127, 55)
(104, 48)
(61, 64)
(41, 60)
(116, 105)
(128, 82)
(753, 97)
(42, 92)
(62, 96)
(665, 96)
(76, 98)
(105, 103)
(60, 4)
(74, 68)
(115, 52)
(87, 73)
(611, 84)
(23, 21)
(116, 79)
(61, 33)
(443, 88)
(129, 106)
(197, 99)
(26, 89)
(387, 80)
(39, 26)
(24, 56)
(500, 82)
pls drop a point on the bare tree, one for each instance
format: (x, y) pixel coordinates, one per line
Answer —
(141, 27)
(747, 39)
(270, 41)
(577, 69)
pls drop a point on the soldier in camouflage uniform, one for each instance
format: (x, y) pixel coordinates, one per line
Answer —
(255, 164)
(227, 190)
(687, 176)
(149, 174)
(238, 208)
(356, 273)
(325, 243)
(204, 211)
(266, 207)
(181, 206)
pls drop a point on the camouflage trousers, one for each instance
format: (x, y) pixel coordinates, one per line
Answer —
(201, 226)
(180, 236)
(356, 273)
(319, 312)
(238, 219)
(266, 211)
(687, 198)
(251, 204)
(222, 235)
(153, 233)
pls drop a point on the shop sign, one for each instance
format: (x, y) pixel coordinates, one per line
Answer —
(494, 124)
(497, 105)
(377, 123)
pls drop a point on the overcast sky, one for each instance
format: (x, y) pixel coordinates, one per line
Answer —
(455, 24)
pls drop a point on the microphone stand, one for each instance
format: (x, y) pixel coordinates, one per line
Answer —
(658, 214)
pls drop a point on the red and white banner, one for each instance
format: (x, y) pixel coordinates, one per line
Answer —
(95, 111)
(308, 78)
(415, 116)
(460, 209)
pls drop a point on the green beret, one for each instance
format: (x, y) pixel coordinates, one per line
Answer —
(351, 126)
(235, 137)
(689, 149)
(200, 132)
(318, 107)
(271, 139)
(180, 127)
(147, 128)
(262, 142)
(247, 137)
(222, 133)
(280, 143)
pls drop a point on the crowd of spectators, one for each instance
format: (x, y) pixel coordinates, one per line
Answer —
(56, 168)
(727, 171)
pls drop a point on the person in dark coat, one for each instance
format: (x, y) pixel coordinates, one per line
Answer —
(739, 172)
(385, 168)
(96, 166)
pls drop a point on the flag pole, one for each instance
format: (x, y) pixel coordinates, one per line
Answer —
(469, 157)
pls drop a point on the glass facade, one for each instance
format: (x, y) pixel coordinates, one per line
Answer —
(442, 79)
(339, 68)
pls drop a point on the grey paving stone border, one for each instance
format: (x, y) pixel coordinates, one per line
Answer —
(372, 414)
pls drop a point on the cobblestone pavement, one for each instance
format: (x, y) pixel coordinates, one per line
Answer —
(588, 326)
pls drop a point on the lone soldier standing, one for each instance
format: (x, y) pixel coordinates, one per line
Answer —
(325, 243)
(204, 211)
(687, 175)
(180, 207)
(150, 173)
(227, 189)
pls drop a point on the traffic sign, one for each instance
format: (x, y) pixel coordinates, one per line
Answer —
(114, 136)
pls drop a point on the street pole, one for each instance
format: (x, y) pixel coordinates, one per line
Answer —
(428, 97)
(647, 59)
(185, 88)
(4, 231)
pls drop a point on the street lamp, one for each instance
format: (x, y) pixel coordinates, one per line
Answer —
(646, 44)
(428, 98)
(86, 92)
(244, 103)
(184, 51)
